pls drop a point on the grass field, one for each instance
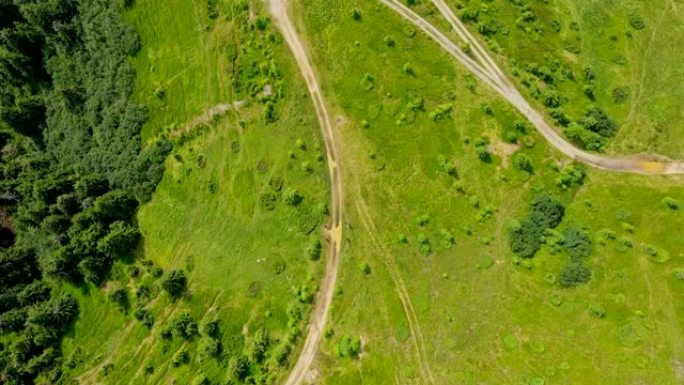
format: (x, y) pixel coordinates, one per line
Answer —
(428, 286)
(464, 312)
(246, 260)
(630, 46)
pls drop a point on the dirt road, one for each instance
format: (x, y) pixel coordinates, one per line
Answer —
(489, 73)
(319, 315)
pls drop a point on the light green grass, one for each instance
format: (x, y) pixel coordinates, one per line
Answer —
(244, 263)
(183, 55)
(485, 302)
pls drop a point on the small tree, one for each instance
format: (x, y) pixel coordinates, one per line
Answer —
(574, 274)
(522, 162)
(547, 211)
(175, 283)
(119, 297)
(184, 327)
(293, 197)
(525, 238)
(576, 242)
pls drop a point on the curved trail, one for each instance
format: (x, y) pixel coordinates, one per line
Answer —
(319, 315)
(489, 73)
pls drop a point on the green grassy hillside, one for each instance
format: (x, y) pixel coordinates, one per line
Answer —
(473, 252)
(444, 299)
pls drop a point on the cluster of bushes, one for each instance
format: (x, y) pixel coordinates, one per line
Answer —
(255, 72)
(525, 235)
(528, 234)
(72, 170)
(592, 130)
(571, 176)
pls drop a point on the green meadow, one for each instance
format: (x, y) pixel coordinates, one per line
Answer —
(239, 210)
(437, 170)
(620, 56)
(433, 293)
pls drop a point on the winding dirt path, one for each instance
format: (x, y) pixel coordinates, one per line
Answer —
(319, 315)
(489, 73)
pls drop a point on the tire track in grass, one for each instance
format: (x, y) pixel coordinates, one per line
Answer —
(400, 287)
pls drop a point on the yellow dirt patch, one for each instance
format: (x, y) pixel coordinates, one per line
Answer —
(652, 167)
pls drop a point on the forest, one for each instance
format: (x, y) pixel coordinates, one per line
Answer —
(73, 170)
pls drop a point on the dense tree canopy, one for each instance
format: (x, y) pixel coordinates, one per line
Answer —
(72, 169)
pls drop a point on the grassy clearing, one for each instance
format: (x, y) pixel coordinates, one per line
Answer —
(223, 213)
(482, 317)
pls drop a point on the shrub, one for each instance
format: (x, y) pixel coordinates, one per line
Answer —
(423, 220)
(119, 297)
(547, 211)
(597, 311)
(13, 320)
(258, 345)
(367, 82)
(588, 90)
(239, 368)
(356, 14)
(574, 274)
(293, 197)
(389, 41)
(144, 316)
(586, 139)
(448, 239)
(268, 200)
(620, 94)
(576, 242)
(672, 203)
(468, 15)
(525, 238)
(596, 120)
(637, 22)
(210, 347)
(121, 240)
(313, 251)
(181, 358)
(572, 175)
(175, 283)
(211, 328)
(522, 162)
(184, 327)
(115, 206)
(348, 347)
(483, 154)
